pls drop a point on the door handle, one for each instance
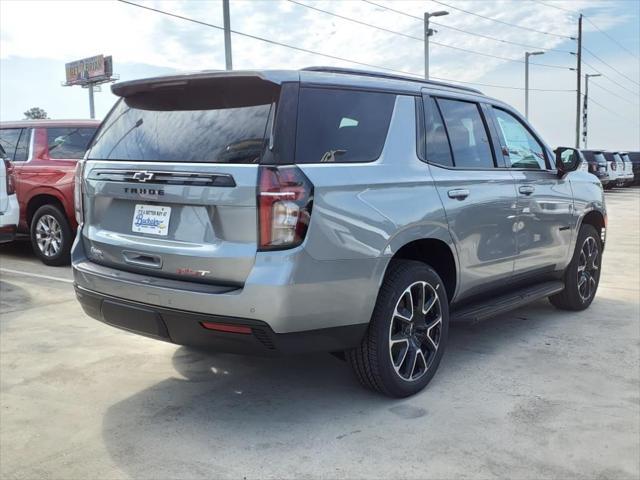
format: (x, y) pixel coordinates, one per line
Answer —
(526, 189)
(458, 193)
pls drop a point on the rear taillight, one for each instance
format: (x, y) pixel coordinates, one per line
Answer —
(10, 177)
(613, 165)
(77, 191)
(285, 197)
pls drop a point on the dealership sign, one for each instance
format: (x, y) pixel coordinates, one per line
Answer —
(89, 70)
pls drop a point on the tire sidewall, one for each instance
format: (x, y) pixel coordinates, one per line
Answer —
(571, 280)
(383, 315)
(63, 256)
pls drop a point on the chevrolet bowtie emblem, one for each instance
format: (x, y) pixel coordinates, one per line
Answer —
(143, 176)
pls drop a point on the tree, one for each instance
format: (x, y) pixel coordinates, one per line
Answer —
(35, 113)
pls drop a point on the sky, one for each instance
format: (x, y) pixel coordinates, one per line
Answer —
(38, 37)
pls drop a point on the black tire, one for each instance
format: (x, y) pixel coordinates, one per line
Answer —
(372, 360)
(62, 236)
(574, 296)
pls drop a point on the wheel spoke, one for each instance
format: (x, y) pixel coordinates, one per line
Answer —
(407, 298)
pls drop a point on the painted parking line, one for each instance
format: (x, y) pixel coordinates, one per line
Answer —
(35, 275)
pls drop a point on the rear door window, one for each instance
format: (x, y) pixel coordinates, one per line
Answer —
(524, 150)
(9, 138)
(69, 142)
(438, 149)
(149, 132)
(341, 126)
(467, 133)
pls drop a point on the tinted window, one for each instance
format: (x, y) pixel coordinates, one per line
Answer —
(218, 135)
(599, 158)
(22, 150)
(342, 125)
(467, 134)
(438, 150)
(9, 140)
(68, 142)
(524, 150)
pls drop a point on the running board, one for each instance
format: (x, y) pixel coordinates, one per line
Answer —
(483, 310)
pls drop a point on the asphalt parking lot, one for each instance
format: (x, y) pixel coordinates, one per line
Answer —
(536, 393)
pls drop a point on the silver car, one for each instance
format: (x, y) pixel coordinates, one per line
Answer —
(327, 210)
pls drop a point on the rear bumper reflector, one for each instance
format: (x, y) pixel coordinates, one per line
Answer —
(221, 327)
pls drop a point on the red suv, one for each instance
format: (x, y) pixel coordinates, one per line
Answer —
(44, 154)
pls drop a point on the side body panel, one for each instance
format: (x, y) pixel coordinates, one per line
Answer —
(545, 217)
(40, 175)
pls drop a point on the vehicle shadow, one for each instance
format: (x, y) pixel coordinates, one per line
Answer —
(19, 248)
(243, 406)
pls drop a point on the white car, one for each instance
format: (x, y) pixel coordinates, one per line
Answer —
(9, 209)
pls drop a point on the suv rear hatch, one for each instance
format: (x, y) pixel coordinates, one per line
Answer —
(171, 176)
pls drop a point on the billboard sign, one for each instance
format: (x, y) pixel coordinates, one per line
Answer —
(89, 70)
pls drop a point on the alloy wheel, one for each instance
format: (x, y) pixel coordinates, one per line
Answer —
(49, 235)
(415, 331)
(588, 268)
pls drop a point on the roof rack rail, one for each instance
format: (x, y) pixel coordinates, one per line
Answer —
(370, 73)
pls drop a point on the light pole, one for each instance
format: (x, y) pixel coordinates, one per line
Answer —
(526, 81)
(584, 106)
(427, 33)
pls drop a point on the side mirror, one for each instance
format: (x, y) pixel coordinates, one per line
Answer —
(567, 160)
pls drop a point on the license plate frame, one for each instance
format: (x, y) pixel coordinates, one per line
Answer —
(151, 219)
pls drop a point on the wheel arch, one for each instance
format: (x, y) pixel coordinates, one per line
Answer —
(437, 251)
(39, 200)
(597, 220)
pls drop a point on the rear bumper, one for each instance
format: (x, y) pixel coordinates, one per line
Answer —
(186, 328)
(7, 233)
(9, 220)
(289, 291)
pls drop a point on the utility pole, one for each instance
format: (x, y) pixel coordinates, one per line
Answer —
(92, 108)
(585, 106)
(526, 81)
(579, 78)
(427, 33)
(227, 35)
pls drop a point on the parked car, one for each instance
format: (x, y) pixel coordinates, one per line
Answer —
(358, 212)
(9, 211)
(628, 168)
(44, 154)
(635, 161)
(615, 168)
(597, 165)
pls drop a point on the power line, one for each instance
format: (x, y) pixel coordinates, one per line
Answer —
(475, 52)
(612, 68)
(502, 22)
(273, 42)
(555, 6)
(488, 37)
(517, 60)
(611, 38)
(617, 114)
(356, 21)
(612, 93)
(591, 22)
(610, 79)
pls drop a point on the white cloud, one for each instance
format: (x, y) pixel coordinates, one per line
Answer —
(69, 30)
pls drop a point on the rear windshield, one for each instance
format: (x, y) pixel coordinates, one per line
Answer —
(147, 131)
(69, 142)
(599, 157)
(342, 125)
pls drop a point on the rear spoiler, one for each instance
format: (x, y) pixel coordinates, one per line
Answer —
(200, 79)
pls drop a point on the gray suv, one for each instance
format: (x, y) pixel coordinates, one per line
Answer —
(327, 210)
